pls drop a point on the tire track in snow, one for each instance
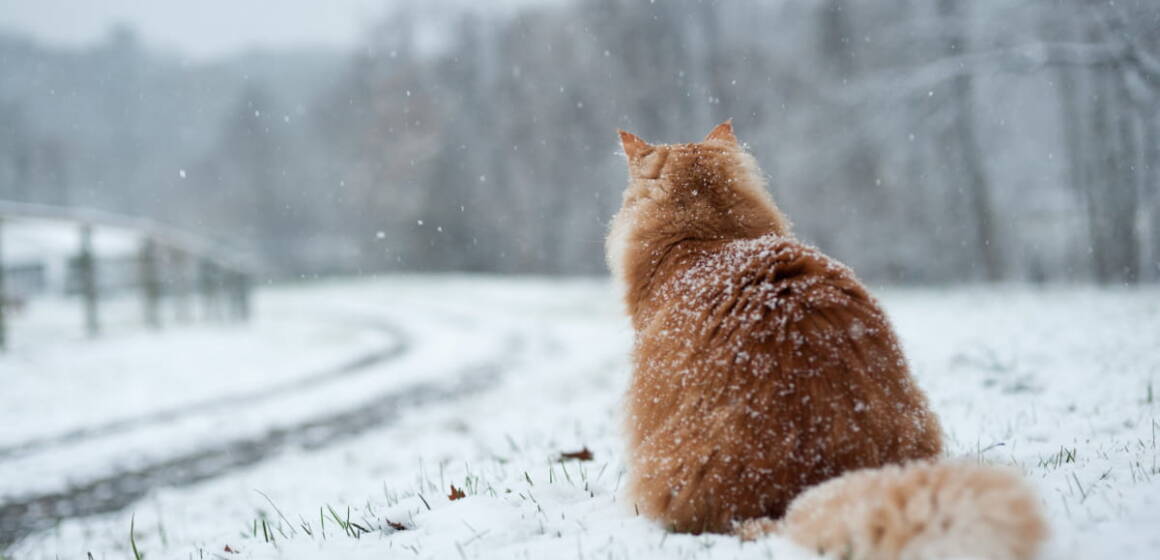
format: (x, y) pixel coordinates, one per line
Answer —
(397, 347)
(28, 514)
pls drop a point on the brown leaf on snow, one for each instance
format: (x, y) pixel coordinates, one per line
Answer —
(230, 550)
(456, 493)
(582, 455)
(395, 525)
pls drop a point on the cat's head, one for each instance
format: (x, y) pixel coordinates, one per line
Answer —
(706, 190)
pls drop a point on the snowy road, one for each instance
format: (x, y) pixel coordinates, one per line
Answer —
(100, 464)
(499, 377)
(22, 515)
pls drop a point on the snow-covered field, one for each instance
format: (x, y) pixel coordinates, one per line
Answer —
(357, 405)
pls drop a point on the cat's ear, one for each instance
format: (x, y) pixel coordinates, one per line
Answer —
(723, 132)
(633, 146)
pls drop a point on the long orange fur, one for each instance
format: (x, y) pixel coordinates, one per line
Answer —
(761, 366)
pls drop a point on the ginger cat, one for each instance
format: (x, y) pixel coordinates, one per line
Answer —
(762, 367)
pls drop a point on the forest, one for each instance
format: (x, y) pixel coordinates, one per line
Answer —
(951, 141)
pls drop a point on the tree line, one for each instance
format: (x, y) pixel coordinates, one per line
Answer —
(921, 142)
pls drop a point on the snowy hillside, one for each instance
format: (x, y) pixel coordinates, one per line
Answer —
(336, 425)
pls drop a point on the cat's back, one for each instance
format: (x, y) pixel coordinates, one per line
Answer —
(762, 288)
(766, 368)
(768, 324)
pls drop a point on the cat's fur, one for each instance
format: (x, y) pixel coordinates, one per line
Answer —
(761, 366)
(920, 511)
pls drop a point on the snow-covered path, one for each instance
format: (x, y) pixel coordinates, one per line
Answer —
(208, 419)
(1058, 382)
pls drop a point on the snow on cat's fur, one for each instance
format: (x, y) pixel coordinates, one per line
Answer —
(761, 366)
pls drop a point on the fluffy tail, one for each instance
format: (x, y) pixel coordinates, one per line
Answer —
(918, 511)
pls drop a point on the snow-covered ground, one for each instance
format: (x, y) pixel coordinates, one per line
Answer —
(1059, 382)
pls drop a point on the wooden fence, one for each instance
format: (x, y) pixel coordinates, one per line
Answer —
(170, 263)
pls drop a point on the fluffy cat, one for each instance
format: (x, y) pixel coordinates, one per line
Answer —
(761, 366)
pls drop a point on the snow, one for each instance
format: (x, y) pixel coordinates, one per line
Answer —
(1057, 382)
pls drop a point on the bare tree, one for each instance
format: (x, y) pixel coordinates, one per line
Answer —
(970, 157)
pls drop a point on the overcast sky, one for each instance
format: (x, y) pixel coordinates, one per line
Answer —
(206, 28)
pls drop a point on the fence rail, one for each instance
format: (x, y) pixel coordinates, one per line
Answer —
(170, 262)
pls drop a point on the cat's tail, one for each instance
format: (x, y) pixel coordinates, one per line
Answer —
(919, 511)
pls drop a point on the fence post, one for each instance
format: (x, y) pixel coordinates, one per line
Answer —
(150, 283)
(244, 289)
(3, 297)
(208, 278)
(87, 270)
(182, 285)
(239, 294)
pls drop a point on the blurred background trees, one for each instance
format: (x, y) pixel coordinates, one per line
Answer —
(929, 142)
